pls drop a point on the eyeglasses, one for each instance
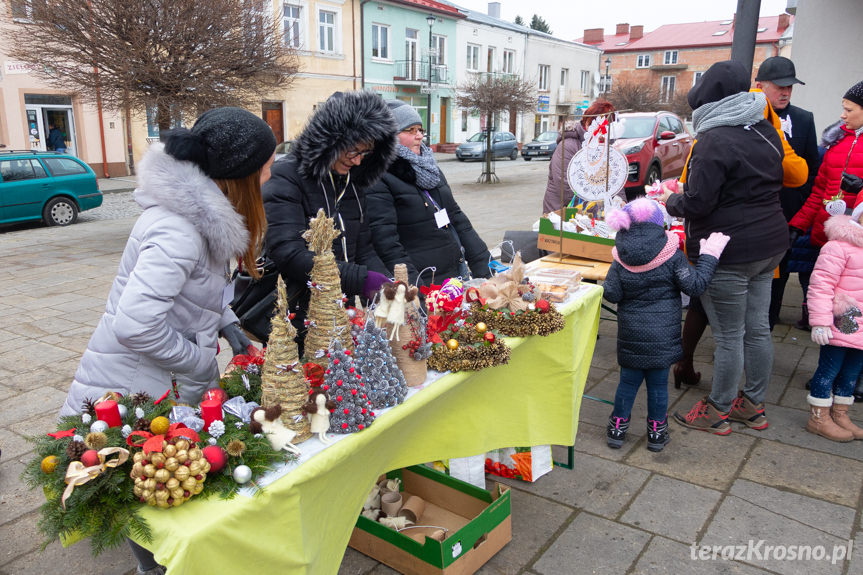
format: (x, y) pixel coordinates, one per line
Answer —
(356, 153)
(414, 131)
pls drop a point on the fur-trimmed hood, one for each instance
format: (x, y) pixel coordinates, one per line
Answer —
(182, 188)
(341, 123)
(844, 229)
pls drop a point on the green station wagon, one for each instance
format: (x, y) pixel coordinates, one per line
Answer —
(49, 186)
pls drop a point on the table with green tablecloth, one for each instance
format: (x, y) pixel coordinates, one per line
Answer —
(301, 521)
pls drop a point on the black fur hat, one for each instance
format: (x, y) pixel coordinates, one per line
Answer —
(345, 120)
(226, 143)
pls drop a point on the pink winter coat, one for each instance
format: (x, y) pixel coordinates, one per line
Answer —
(837, 280)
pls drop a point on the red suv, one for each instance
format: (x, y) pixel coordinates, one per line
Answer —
(656, 145)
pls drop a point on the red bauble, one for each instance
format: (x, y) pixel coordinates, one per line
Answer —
(542, 305)
(216, 457)
(344, 426)
(488, 336)
(347, 411)
(90, 458)
(216, 393)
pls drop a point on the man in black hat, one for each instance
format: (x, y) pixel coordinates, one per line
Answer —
(776, 78)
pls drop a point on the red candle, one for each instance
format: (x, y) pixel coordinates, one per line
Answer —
(211, 410)
(108, 412)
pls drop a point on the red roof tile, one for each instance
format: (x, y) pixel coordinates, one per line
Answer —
(689, 35)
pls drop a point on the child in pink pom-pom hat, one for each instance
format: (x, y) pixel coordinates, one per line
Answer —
(645, 280)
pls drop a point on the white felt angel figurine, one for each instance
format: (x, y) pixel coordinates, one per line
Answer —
(318, 411)
(382, 309)
(266, 421)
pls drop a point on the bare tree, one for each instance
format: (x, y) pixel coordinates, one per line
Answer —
(634, 96)
(489, 95)
(178, 57)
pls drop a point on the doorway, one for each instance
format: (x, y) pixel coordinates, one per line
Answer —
(41, 117)
(274, 118)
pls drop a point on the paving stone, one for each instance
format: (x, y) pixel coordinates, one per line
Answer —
(20, 537)
(535, 521)
(355, 563)
(785, 358)
(856, 561)
(737, 522)
(74, 559)
(775, 388)
(13, 444)
(30, 404)
(594, 545)
(671, 508)
(594, 484)
(597, 413)
(47, 326)
(696, 456)
(807, 472)
(835, 519)
(5, 391)
(35, 354)
(788, 426)
(16, 499)
(591, 439)
(795, 393)
(666, 557)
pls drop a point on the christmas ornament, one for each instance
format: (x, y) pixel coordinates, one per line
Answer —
(384, 381)
(211, 410)
(49, 464)
(90, 458)
(542, 306)
(169, 472)
(75, 449)
(481, 327)
(98, 426)
(467, 349)
(488, 337)
(242, 474)
(96, 440)
(123, 410)
(318, 411)
(160, 425)
(353, 410)
(216, 457)
(267, 421)
(282, 379)
(452, 344)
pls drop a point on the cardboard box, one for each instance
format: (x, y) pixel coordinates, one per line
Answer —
(478, 524)
(573, 244)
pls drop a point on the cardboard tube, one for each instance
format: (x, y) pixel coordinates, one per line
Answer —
(413, 508)
(391, 502)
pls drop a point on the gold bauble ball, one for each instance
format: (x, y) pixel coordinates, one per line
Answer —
(160, 425)
(49, 464)
(481, 327)
(452, 344)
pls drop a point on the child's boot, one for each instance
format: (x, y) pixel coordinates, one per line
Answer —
(657, 434)
(616, 430)
(839, 413)
(821, 423)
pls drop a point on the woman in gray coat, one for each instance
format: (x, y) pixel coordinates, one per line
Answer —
(201, 194)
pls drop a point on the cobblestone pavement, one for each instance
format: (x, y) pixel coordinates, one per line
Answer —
(619, 511)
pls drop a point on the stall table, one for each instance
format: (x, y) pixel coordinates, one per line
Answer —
(301, 521)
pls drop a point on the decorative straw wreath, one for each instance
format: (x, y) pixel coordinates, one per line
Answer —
(542, 318)
(468, 348)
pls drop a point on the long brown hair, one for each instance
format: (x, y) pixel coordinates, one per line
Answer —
(245, 195)
(597, 108)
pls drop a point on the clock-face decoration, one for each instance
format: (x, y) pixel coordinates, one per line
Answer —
(592, 166)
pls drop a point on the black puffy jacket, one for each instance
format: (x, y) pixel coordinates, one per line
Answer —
(404, 228)
(645, 282)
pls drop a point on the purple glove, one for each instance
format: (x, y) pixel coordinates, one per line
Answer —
(713, 245)
(373, 283)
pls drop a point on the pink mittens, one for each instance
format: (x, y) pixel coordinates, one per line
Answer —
(714, 245)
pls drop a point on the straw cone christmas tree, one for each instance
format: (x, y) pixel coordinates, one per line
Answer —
(327, 316)
(282, 380)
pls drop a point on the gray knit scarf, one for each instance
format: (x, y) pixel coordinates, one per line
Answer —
(742, 109)
(424, 165)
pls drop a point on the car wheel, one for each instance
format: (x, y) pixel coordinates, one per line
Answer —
(459, 159)
(526, 158)
(652, 175)
(60, 212)
(514, 154)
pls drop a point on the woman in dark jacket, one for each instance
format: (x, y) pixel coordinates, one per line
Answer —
(734, 179)
(346, 146)
(645, 280)
(413, 216)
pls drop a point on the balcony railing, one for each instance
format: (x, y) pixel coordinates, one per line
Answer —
(417, 72)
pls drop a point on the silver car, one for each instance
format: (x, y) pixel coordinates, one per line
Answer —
(503, 145)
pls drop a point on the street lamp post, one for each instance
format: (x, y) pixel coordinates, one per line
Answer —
(431, 20)
(607, 77)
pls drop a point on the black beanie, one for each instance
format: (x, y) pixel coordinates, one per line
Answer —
(226, 143)
(855, 94)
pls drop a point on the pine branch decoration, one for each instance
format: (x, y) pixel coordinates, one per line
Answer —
(282, 380)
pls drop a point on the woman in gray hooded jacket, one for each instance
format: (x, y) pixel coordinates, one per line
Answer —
(202, 206)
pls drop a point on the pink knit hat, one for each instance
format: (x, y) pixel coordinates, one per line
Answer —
(641, 210)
